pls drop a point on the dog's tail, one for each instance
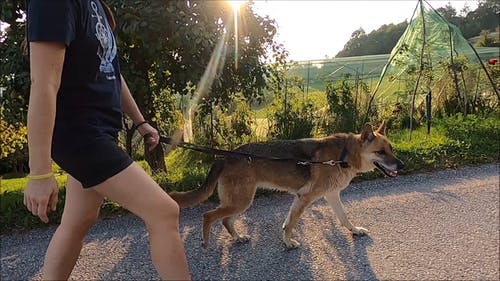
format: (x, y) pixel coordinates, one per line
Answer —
(194, 197)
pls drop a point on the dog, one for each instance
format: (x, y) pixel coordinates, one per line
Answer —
(238, 178)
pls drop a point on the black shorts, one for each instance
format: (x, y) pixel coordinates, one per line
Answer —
(90, 162)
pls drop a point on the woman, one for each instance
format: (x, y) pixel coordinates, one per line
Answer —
(77, 99)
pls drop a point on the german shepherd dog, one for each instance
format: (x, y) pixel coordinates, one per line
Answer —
(237, 178)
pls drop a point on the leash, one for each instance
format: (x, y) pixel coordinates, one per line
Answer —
(231, 153)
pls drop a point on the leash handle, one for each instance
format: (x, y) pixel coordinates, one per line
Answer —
(162, 139)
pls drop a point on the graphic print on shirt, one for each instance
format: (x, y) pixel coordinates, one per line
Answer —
(107, 46)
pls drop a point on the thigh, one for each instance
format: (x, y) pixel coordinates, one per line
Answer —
(136, 191)
(81, 207)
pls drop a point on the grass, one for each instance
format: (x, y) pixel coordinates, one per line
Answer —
(15, 182)
(452, 143)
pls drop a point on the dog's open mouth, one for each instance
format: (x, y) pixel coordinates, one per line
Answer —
(386, 171)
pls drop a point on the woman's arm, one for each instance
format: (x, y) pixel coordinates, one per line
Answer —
(131, 109)
(46, 63)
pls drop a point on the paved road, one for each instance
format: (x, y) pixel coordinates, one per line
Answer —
(442, 225)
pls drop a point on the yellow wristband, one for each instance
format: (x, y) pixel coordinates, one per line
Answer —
(40, 177)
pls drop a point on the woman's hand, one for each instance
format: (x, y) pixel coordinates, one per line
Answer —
(152, 135)
(40, 197)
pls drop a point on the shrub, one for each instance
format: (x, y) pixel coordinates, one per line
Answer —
(293, 119)
(13, 148)
(478, 137)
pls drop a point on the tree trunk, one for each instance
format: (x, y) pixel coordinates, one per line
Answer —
(129, 134)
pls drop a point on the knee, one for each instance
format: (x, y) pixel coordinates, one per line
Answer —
(79, 224)
(163, 212)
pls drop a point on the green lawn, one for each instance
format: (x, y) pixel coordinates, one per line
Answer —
(15, 184)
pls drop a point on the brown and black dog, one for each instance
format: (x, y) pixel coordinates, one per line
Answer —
(237, 178)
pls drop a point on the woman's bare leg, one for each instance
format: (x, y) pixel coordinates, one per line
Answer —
(81, 211)
(136, 191)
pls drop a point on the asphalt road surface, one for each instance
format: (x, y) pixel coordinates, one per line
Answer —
(442, 225)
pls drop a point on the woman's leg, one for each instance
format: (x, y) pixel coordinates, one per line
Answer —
(81, 210)
(136, 191)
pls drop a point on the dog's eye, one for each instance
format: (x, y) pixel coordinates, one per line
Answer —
(381, 152)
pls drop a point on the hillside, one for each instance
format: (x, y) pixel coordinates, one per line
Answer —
(368, 68)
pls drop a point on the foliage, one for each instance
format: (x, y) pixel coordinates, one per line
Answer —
(14, 213)
(477, 136)
(13, 147)
(168, 45)
(383, 39)
(291, 118)
(486, 40)
(454, 142)
(290, 115)
(485, 17)
(14, 67)
(227, 128)
(165, 47)
(240, 125)
(341, 113)
(187, 170)
(380, 41)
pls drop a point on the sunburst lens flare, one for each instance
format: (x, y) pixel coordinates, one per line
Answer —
(235, 4)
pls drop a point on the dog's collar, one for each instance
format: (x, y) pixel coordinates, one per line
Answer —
(343, 155)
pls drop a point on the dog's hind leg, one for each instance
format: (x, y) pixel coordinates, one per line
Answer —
(228, 223)
(298, 206)
(333, 198)
(211, 216)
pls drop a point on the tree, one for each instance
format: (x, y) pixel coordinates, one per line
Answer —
(14, 67)
(14, 84)
(168, 45)
(485, 17)
(383, 40)
(380, 41)
(164, 47)
(448, 12)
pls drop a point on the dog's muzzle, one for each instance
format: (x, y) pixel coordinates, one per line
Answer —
(390, 171)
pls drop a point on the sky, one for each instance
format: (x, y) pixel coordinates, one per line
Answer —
(312, 30)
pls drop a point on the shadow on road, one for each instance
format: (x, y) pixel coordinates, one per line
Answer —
(328, 250)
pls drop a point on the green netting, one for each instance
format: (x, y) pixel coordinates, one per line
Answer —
(431, 56)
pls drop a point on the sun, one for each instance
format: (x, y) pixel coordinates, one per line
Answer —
(236, 4)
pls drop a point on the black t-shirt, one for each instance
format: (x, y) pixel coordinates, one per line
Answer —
(89, 99)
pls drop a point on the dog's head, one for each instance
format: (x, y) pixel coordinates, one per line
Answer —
(376, 152)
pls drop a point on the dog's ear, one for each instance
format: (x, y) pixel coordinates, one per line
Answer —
(367, 133)
(381, 129)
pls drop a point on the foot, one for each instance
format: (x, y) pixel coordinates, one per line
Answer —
(291, 243)
(241, 239)
(205, 243)
(356, 230)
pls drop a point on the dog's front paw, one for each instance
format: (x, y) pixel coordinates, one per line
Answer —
(242, 239)
(291, 243)
(359, 230)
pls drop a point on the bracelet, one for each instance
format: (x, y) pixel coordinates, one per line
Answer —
(40, 177)
(139, 124)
